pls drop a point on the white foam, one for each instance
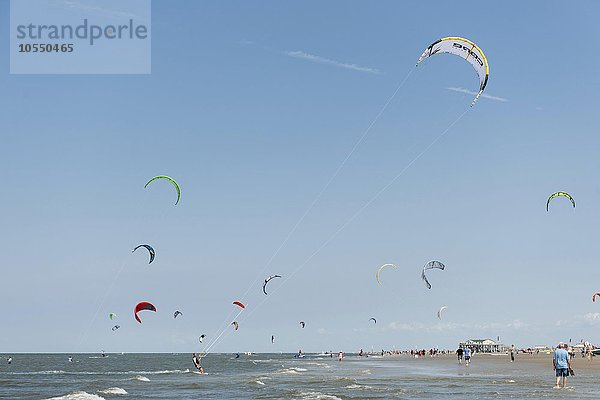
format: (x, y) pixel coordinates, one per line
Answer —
(260, 383)
(166, 371)
(318, 396)
(356, 386)
(113, 390)
(289, 371)
(140, 378)
(78, 396)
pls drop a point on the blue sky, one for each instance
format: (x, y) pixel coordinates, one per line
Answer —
(238, 111)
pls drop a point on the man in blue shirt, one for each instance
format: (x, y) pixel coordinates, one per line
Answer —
(467, 356)
(562, 365)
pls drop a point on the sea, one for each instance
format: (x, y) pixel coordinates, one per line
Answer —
(281, 376)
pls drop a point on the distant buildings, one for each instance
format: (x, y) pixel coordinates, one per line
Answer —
(484, 346)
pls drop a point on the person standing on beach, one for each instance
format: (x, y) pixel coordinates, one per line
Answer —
(512, 353)
(467, 356)
(459, 355)
(562, 364)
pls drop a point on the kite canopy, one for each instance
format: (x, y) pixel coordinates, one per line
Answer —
(595, 295)
(267, 281)
(170, 180)
(302, 324)
(272, 339)
(201, 337)
(440, 311)
(114, 328)
(465, 49)
(236, 325)
(112, 315)
(430, 265)
(237, 303)
(373, 319)
(142, 305)
(382, 267)
(560, 194)
(150, 250)
(177, 314)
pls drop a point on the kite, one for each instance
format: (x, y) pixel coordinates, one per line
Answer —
(382, 267)
(143, 305)
(201, 337)
(170, 180)
(440, 311)
(462, 48)
(112, 315)
(557, 194)
(236, 325)
(267, 281)
(595, 295)
(150, 250)
(237, 303)
(303, 324)
(114, 328)
(430, 265)
(177, 314)
(272, 339)
(373, 319)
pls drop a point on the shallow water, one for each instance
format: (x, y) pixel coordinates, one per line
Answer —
(275, 376)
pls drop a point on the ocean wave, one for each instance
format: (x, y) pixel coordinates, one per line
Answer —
(357, 386)
(113, 390)
(140, 378)
(165, 371)
(78, 396)
(59, 371)
(318, 396)
(49, 372)
(291, 371)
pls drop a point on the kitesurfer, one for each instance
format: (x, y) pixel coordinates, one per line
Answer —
(70, 358)
(9, 360)
(197, 360)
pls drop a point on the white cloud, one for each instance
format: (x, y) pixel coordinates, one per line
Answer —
(589, 319)
(322, 60)
(467, 91)
(455, 326)
(95, 10)
(516, 324)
